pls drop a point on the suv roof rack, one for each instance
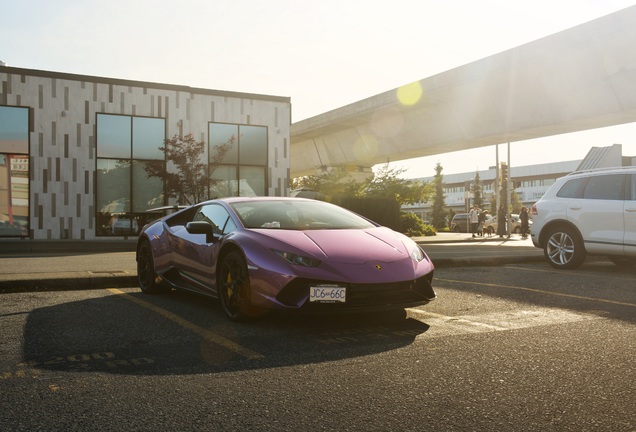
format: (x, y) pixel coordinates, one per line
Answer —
(591, 170)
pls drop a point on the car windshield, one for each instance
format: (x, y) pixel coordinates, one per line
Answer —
(297, 215)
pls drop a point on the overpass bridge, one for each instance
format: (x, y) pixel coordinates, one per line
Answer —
(578, 79)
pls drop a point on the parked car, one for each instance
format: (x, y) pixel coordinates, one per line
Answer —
(589, 212)
(291, 254)
(123, 224)
(460, 224)
(490, 226)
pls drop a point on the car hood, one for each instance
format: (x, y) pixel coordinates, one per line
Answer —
(353, 246)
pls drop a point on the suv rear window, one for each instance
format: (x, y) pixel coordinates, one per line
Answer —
(572, 188)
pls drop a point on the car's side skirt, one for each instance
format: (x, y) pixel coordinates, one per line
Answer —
(180, 280)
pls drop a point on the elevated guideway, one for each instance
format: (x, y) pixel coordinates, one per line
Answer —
(579, 79)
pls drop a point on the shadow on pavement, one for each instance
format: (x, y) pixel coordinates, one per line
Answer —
(182, 333)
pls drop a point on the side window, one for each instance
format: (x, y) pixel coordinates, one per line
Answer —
(572, 188)
(632, 187)
(605, 187)
(217, 216)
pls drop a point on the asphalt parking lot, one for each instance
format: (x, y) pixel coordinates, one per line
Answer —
(516, 346)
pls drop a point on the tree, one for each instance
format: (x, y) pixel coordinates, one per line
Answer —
(438, 217)
(336, 185)
(189, 183)
(386, 183)
(477, 191)
(330, 184)
(515, 204)
(514, 207)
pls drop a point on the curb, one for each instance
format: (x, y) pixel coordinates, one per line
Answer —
(52, 247)
(485, 262)
(73, 283)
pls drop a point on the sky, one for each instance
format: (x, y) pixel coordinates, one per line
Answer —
(323, 54)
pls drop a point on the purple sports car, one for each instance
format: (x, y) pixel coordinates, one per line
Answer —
(257, 254)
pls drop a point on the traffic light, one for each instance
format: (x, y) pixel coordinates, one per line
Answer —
(503, 172)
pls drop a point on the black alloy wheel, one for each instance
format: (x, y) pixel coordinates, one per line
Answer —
(234, 287)
(146, 276)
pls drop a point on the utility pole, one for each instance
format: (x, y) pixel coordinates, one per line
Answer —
(508, 195)
(497, 185)
(502, 188)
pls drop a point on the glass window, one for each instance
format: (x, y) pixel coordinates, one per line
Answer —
(113, 136)
(252, 181)
(147, 193)
(14, 130)
(125, 146)
(148, 136)
(217, 216)
(253, 145)
(14, 172)
(297, 215)
(220, 134)
(605, 187)
(223, 182)
(572, 188)
(244, 168)
(113, 195)
(14, 195)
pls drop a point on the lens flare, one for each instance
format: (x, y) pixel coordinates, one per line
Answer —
(410, 94)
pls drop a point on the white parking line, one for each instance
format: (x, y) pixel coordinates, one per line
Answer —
(540, 291)
(443, 325)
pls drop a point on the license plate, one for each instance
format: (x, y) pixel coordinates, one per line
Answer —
(328, 294)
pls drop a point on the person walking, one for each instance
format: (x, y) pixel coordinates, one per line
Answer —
(502, 219)
(525, 222)
(482, 220)
(473, 216)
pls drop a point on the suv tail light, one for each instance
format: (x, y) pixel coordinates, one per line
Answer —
(534, 209)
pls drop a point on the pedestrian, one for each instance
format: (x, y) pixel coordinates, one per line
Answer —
(525, 222)
(482, 220)
(473, 216)
(502, 217)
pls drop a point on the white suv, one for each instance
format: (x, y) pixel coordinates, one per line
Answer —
(588, 212)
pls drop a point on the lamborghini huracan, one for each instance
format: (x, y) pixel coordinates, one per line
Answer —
(289, 254)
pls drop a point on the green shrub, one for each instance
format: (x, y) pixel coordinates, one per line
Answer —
(413, 226)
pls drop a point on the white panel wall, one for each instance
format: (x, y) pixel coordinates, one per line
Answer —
(62, 135)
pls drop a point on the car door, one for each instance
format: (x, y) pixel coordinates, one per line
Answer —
(196, 257)
(599, 213)
(630, 217)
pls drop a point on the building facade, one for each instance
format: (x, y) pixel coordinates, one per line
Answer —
(74, 149)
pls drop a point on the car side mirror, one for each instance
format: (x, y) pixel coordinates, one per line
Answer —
(202, 227)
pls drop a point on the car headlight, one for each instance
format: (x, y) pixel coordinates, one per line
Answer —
(297, 259)
(417, 253)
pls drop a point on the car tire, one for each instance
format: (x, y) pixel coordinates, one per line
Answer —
(517, 230)
(457, 229)
(234, 288)
(564, 248)
(146, 275)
